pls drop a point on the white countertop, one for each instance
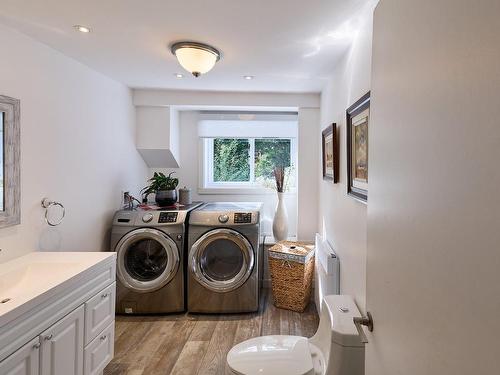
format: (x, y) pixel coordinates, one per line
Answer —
(31, 279)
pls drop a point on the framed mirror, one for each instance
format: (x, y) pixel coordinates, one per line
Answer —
(10, 189)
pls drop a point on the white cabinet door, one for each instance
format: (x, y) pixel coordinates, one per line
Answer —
(25, 361)
(99, 312)
(62, 346)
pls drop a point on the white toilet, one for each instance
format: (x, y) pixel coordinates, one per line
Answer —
(335, 349)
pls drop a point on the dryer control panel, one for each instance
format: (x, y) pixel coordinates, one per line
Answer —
(242, 217)
(167, 217)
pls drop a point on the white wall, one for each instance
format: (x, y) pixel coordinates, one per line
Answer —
(77, 147)
(151, 97)
(434, 211)
(342, 219)
(153, 128)
(308, 168)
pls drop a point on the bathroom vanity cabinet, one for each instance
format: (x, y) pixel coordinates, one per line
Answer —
(65, 326)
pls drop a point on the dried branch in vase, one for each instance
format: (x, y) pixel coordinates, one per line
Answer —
(279, 177)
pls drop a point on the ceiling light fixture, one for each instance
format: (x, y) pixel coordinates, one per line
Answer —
(248, 78)
(179, 75)
(196, 58)
(82, 29)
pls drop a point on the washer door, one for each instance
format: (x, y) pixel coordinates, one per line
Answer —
(221, 260)
(147, 259)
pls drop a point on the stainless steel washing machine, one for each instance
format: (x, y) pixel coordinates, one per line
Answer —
(150, 247)
(225, 258)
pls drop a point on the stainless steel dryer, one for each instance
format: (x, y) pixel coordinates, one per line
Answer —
(150, 247)
(225, 258)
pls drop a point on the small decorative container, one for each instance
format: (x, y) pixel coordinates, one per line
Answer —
(185, 196)
(291, 265)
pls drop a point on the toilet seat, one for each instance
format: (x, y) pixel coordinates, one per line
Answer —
(272, 355)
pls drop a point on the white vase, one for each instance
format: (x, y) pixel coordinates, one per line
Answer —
(280, 222)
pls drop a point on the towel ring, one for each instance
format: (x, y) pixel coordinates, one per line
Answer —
(46, 203)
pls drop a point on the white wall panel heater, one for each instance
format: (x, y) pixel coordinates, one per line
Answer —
(327, 265)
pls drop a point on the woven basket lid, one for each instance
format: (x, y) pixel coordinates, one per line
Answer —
(297, 249)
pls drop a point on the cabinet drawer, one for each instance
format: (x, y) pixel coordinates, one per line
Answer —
(99, 352)
(99, 312)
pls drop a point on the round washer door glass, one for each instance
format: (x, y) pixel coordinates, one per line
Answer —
(222, 260)
(147, 260)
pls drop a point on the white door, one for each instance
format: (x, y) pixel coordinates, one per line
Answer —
(433, 258)
(25, 361)
(62, 346)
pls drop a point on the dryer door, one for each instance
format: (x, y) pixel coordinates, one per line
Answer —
(147, 259)
(221, 260)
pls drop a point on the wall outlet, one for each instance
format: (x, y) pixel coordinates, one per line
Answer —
(125, 197)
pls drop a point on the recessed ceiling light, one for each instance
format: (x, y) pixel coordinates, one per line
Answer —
(248, 78)
(179, 75)
(82, 29)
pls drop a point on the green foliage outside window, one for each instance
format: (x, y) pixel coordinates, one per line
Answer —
(270, 153)
(231, 160)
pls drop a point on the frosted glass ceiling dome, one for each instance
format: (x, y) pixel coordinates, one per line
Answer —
(196, 58)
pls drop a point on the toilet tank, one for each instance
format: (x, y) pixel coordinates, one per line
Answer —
(337, 337)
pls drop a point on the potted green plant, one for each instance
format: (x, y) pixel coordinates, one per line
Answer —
(164, 187)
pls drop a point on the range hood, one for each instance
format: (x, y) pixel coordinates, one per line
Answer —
(157, 138)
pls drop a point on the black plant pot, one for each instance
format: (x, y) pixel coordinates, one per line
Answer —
(166, 198)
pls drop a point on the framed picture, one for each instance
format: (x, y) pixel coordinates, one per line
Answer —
(357, 120)
(330, 153)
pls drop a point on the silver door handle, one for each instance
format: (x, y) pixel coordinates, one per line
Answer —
(363, 321)
(104, 295)
(49, 337)
(36, 346)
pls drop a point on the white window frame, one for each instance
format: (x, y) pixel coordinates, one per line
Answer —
(208, 186)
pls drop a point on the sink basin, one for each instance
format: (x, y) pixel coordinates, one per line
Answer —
(30, 279)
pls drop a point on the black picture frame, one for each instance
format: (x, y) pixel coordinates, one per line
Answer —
(330, 130)
(357, 187)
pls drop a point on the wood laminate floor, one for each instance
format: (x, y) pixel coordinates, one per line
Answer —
(189, 344)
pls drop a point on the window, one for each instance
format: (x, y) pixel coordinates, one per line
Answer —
(239, 150)
(247, 162)
(270, 153)
(231, 160)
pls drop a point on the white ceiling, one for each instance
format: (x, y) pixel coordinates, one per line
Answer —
(288, 45)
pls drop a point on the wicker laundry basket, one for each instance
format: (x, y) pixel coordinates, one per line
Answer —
(291, 265)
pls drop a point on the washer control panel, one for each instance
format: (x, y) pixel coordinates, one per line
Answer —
(167, 217)
(242, 217)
